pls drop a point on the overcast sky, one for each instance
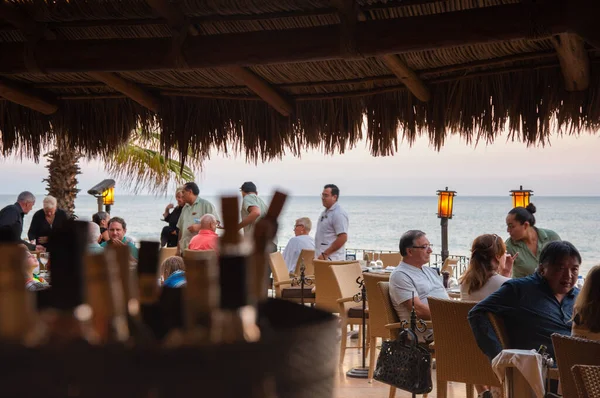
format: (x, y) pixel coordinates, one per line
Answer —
(569, 166)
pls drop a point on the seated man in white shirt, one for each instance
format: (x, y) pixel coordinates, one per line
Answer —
(413, 275)
(301, 241)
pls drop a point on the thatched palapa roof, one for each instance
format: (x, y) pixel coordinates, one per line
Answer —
(269, 77)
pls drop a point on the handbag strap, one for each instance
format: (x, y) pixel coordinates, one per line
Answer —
(405, 334)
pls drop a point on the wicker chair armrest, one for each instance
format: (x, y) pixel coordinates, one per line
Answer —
(281, 283)
(398, 325)
(392, 326)
(345, 300)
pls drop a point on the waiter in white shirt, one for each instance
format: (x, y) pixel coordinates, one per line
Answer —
(332, 228)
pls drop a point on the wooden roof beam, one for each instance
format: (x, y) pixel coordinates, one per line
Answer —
(131, 90)
(17, 92)
(28, 97)
(373, 38)
(574, 61)
(350, 14)
(177, 20)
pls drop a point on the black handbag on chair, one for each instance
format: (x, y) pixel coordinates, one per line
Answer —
(404, 364)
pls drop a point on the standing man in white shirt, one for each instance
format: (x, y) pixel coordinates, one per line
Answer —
(332, 228)
(301, 241)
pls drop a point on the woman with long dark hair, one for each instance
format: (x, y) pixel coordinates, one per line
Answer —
(489, 268)
(526, 240)
(586, 311)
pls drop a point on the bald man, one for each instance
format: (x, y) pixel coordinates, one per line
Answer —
(207, 239)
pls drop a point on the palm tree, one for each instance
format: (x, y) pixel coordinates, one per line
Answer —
(138, 162)
(62, 181)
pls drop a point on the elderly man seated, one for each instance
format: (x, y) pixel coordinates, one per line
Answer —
(534, 307)
(412, 276)
(93, 246)
(117, 228)
(207, 238)
(301, 240)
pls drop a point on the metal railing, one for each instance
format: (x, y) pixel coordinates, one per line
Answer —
(435, 261)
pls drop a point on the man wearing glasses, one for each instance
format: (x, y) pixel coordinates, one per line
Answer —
(302, 240)
(413, 276)
(332, 228)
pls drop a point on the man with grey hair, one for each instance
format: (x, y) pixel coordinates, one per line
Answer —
(413, 277)
(93, 246)
(11, 219)
(207, 238)
(301, 240)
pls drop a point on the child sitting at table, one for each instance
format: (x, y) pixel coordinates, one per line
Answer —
(172, 271)
(33, 282)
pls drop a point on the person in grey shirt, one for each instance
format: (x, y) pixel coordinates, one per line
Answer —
(332, 228)
(412, 276)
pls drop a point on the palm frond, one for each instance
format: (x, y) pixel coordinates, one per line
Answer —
(141, 167)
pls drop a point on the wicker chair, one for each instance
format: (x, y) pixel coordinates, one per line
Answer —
(587, 380)
(571, 351)
(307, 256)
(166, 252)
(326, 288)
(458, 357)
(392, 318)
(500, 330)
(378, 317)
(283, 283)
(449, 265)
(351, 312)
(388, 259)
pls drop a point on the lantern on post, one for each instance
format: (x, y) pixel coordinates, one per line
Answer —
(520, 197)
(104, 192)
(445, 205)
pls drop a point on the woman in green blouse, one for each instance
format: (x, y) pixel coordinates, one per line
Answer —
(526, 240)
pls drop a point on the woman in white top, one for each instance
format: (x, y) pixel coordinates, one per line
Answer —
(489, 268)
(586, 311)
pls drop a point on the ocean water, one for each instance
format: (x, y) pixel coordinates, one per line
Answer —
(377, 222)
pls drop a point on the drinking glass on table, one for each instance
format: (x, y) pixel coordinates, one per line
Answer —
(44, 257)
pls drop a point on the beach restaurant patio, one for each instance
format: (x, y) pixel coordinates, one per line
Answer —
(265, 78)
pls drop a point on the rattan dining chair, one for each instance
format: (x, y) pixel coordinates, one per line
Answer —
(166, 252)
(500, 330)
(458, 357)
(283, 284)
(307, 256)
(394, 324)
(587, 380)
(388, 259)
(351, 312)
(325, 286)
(377, 315)
(449, 265)
(570, 351)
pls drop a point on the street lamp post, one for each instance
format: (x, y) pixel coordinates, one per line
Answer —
(104, 192)
(520, 197)
(445, 204)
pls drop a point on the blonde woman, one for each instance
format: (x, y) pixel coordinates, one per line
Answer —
(586, 311)
(489, 268)
(46, 219)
